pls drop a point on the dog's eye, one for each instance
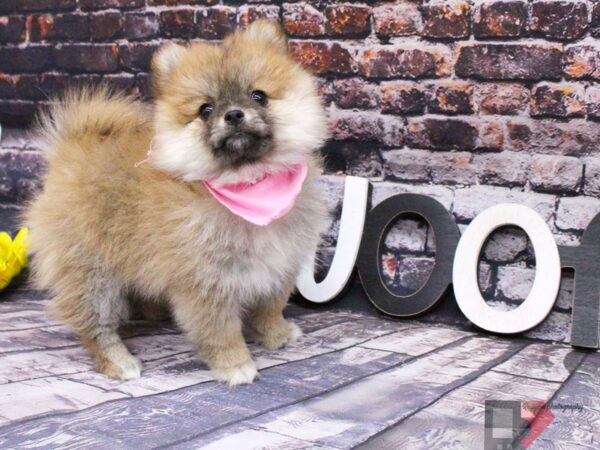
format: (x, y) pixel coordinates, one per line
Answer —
(259, 97)
(205, 110)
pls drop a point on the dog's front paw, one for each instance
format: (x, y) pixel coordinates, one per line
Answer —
(279, 336)
(126, 367)
(237, 375)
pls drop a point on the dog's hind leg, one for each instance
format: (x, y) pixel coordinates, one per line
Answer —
(95, 304)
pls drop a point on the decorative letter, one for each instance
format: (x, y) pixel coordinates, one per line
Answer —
(543, 294)
(354, 210)
(379, 221)
(584, 260)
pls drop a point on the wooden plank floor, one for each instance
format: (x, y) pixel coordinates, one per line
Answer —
(352, 380)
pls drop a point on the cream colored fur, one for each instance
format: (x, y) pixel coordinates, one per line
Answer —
(103, 228)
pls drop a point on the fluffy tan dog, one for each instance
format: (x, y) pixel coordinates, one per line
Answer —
(105, 227)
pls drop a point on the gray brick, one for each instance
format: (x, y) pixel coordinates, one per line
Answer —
(383, 190)
(408, 164)
(592, 176)
(414, 272)
(470, 201)
(453, 168)
(407, 235)
(515, 281)
(565, 294)
(485, 277)
(575, 213)
(505, 245)
(506, 168)
(555, 173)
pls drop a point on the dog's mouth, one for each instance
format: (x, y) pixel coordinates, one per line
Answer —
(242, 147)
(240, 141)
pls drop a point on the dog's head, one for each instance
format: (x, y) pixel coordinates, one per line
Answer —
(234, 110)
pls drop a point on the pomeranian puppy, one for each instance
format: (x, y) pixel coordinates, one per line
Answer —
(206, 201)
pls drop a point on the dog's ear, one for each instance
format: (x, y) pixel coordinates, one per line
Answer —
(268, 32)
(164, 60)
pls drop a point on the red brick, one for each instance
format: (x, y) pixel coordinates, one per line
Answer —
(180, 2)
(123, 82)
(8, 85)
(141, 25)
(85, 80)
(324, 90)
(574, 138)
(405, 61)
(451, 98)
(354, 159)
(441, 134)
(8, 6)
(490, 134)
(16, 112)
(557, 100)
(177, 23)
(559, 19)
(106, 26)
(45, 5)
(500, 19)
(446, 19)
(27, 88)
(12, 29)
(509, 61)
(355, 93)
(24, 86)
(104, 4)
(400, 19)
(248, 14)
(98, 58)
(215, 23)
(347, 20)
(303, 20)
(41, 28)
(28, 59)
(582, 61)
(322, 57)
(502, 98)
(402, 97)
(143, 85)
(53, 84)
(367, 126)
(136, 56)
(72, 27)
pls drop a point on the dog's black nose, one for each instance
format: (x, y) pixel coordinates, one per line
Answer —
(234, 117)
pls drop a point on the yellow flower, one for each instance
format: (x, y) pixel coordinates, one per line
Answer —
(13, 256)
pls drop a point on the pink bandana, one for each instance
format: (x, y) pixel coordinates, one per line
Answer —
(265, 200)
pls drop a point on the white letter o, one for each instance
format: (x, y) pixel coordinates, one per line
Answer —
(543, 294)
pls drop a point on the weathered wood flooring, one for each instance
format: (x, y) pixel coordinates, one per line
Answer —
(352, 380)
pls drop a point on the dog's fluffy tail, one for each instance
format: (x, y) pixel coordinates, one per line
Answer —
(84, 114)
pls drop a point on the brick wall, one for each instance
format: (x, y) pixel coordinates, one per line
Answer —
(473, 102)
